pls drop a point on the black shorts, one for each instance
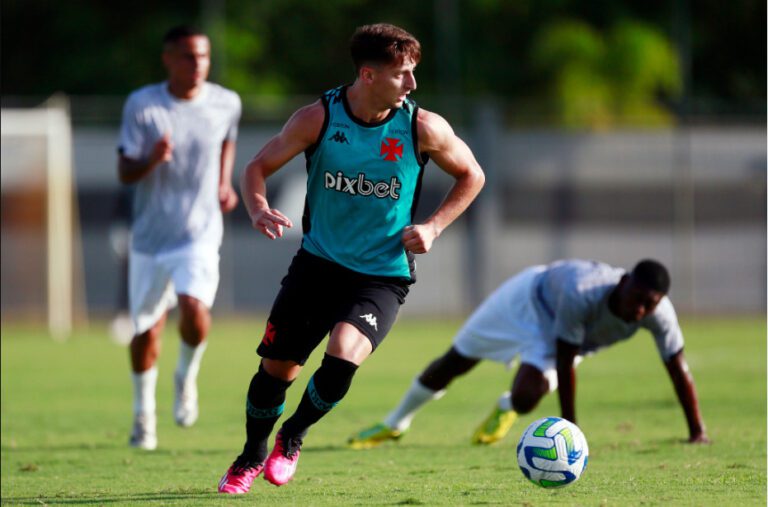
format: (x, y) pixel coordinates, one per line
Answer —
(317, 294)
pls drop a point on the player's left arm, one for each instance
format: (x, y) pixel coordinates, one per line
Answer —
(682, 379)
(452, 155)
(227, 195)
(566, 378)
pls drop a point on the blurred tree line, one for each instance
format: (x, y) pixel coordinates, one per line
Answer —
(595, 63)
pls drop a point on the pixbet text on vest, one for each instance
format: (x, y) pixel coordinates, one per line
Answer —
(362, 186)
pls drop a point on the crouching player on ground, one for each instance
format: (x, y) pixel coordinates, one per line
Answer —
(552, 316)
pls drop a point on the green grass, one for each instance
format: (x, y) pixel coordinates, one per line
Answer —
(66, 413)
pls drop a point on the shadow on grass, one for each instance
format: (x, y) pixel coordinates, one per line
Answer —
(163, 451)
(66, 447)
(664, 442)
(128, 498)
(459, 446)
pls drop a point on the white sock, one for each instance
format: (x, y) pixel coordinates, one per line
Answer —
(144, 385)
(505, 401)
(189, 360)
(400, 418)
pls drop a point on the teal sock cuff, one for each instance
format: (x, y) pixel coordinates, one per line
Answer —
(315, 398)
(263, 413)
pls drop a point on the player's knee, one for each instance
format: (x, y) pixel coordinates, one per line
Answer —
(522, 403)
(525, 400)
(280, 369)
(146, 340)
(435, 380)
(145, 349)
(444, 369)
(195, 320)
(267, 391)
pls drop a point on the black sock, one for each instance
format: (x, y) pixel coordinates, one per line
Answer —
(324, 390)
(263, 407)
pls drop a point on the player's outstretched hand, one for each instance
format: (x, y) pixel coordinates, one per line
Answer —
(418, 238)
(227, 199)
(270, 222)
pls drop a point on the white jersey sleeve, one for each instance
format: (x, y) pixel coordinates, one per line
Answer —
(571, 315)
(133, 135)
(665, 329)
(237, 110)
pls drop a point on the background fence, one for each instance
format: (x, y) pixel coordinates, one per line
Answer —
(693, 197)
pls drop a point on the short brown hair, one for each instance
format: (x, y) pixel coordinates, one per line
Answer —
(383, 43)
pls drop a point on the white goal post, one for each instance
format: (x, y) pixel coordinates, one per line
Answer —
(24, 132)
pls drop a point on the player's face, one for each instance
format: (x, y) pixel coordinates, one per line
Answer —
(637, 302)
(394, 82)
(188, 61)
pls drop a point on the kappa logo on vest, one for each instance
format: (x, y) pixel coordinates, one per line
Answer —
(363, 186)
(391, 148)
(339, 137)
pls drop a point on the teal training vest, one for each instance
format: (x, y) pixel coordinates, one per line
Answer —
(363, 181)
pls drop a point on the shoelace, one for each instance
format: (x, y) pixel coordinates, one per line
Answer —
(292, 446)
(240, 469)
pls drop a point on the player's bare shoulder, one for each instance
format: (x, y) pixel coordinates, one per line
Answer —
(433, 131)
(306, 123)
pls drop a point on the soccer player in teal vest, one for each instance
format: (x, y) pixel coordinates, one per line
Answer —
(366, 145)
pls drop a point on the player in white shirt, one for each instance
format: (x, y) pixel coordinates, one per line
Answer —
(177, 145)
(551, 317)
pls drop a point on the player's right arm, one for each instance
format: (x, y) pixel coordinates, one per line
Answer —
(136, 159)
(131, 170)
(678, 370)
(569, 329)
(438, 140)
(668, 336)
(566, 378)
(299, 133)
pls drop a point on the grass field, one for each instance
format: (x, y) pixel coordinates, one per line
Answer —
(66, 413)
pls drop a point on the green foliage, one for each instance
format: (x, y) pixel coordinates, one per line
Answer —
(66, 417)
(643, 65)
(285, 48)
(602, 80)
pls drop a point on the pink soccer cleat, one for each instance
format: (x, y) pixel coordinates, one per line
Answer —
(281, 463)
(239, 478)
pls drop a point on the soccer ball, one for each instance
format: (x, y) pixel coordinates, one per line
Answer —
(552, 452)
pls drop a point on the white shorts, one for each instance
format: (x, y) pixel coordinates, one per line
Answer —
(155, 280)
(506, 326)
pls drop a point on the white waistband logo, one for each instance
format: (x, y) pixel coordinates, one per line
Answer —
(371, 320)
